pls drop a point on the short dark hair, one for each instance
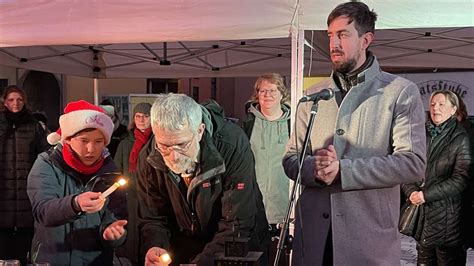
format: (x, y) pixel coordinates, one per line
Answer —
(364, 19)
(14, 88)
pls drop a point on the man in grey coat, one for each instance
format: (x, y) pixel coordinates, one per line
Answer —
(365, 142)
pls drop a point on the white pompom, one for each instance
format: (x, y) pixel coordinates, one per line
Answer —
(53, 138)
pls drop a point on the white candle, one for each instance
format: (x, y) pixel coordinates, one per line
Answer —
(112, 188)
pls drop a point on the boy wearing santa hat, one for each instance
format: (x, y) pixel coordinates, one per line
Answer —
(73, 224)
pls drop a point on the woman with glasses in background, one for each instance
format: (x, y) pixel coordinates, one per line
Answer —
(73, 227)
(126, 159)
(267, 125)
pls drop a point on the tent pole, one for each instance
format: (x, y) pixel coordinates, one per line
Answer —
(297, 67)
(96, 91)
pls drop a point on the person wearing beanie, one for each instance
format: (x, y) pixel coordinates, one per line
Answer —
(120, 131)
(73, 223)
(126, 159)
(21, 140)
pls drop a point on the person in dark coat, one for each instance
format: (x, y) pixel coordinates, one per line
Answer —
(196, 184)
(120, 131)
(73, 224)
(463, 119)
(441, 229)
(126, 159)
(21, 140)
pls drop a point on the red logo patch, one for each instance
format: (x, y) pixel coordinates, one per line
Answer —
(206, 185)
(240, 186)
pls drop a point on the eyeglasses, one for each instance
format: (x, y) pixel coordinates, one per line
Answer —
(140, 117)
(272, 92)
(180, 148)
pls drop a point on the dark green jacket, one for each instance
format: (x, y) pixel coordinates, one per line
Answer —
(193, 222)
(62, 236)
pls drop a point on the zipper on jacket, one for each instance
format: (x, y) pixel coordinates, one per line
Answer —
(193, 221)
(188, 210)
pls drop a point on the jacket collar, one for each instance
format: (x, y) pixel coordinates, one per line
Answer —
(364, 76)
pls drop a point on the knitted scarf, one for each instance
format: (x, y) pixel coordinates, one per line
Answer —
(77, 165)
(435, 130)
(141, 139)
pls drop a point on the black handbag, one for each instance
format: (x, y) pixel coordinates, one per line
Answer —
(409, 217)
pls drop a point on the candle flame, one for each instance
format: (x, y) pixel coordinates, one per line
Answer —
(122, 182)
(165, 258)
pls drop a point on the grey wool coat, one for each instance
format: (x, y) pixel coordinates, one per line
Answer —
(379, 136)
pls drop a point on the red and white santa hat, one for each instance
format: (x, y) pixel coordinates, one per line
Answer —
(81, 115)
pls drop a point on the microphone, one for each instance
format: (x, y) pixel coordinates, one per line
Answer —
(324, 94)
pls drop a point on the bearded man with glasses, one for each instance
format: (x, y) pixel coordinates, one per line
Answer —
(196, 184)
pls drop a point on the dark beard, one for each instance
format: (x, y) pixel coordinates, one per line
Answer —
(345, 67)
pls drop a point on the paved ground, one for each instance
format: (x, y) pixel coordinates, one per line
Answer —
(409, 252)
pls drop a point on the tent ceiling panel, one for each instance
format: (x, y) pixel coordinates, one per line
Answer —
(117, 39)
(177, 59)
(26, 23)
(409, 49)
(396, 14)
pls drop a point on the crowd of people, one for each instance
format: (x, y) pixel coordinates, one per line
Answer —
(196, 179)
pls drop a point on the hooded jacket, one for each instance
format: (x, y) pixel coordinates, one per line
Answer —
(268, 140)
(62, 236)
(222, 201)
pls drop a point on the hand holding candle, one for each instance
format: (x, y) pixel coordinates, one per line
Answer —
(165, 258)
(112, 188)
(89, 202)
(157, 256)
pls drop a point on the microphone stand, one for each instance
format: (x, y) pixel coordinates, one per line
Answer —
(283, 238)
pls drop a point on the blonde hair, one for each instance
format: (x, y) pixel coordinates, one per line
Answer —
(275, 79)
(450, 96)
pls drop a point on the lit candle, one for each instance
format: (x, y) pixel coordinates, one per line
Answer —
(165, 258)
(112, 188)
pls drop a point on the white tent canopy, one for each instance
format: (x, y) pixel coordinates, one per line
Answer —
(139, 38)
(28, 23)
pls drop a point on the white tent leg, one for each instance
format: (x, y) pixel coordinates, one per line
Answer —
(96, 91)
(297, 67)
(297, 61)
